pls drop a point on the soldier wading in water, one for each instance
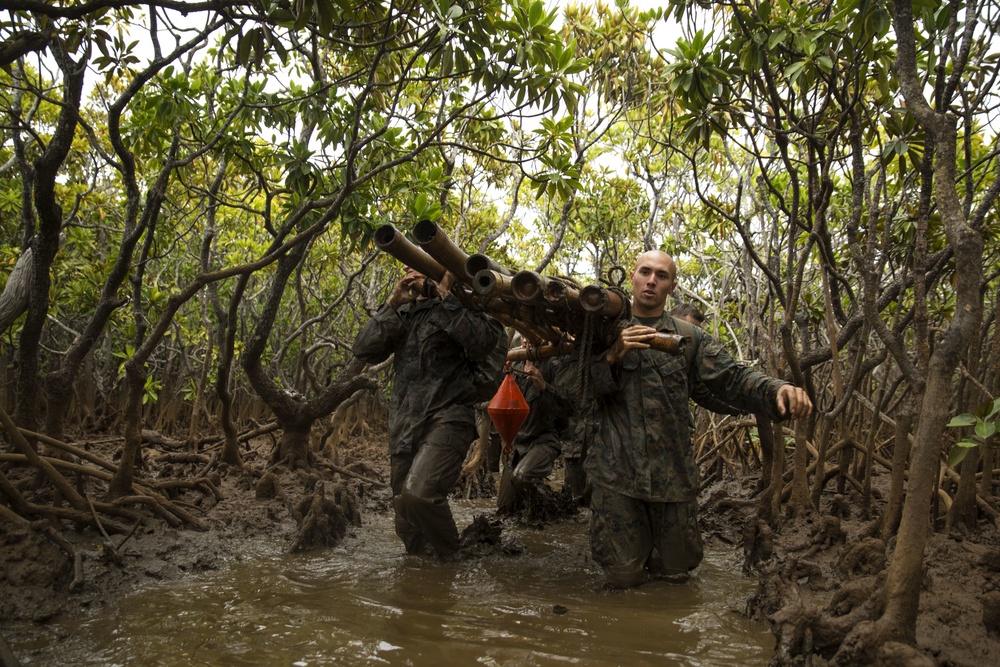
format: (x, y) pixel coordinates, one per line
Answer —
(639, 459)
(437, 343)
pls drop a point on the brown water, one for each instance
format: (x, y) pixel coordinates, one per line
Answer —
(367, 603)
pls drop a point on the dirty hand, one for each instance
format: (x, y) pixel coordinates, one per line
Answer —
(443, 286)
(793, 401)
(534, 375)
(407, 289)
(635, 337)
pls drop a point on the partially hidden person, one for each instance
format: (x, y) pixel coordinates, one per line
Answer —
(538, 442)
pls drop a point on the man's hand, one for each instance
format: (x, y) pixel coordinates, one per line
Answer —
(407, 289)
(444, 286)
(635, 337)
(793, 401)
(535, 375)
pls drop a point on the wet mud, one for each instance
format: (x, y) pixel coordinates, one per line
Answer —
(529, 594)
(538, 601)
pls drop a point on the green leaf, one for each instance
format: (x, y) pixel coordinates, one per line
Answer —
(777, 37)
(447, 63)
(536, 14)
(793, 70)
(962, 420)
(304, 10)
(764, 11)
(325, 10)
(956, 455)
(243, 49)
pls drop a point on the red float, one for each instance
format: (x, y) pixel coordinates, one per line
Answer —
(508, 409)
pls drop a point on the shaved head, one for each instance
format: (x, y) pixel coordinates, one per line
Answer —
(653, 280)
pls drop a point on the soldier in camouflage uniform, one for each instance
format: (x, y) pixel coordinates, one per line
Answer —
(640, 461)
(574, 453)
(699, 392)
(706, 399)
(437, 342)
(537, 444)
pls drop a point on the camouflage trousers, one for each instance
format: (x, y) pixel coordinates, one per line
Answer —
(633, 539)
(421, 482)
(525, 470)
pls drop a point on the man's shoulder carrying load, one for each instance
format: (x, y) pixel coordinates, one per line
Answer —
(552, 314)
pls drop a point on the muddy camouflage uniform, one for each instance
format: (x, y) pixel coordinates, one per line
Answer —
(432, 418)
(537, 444)
(639, 459)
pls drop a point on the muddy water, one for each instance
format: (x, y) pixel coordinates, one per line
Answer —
(367, 603)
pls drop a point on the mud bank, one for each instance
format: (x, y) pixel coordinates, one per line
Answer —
(814, 572)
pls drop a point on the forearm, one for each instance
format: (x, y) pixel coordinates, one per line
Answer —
(380, 336)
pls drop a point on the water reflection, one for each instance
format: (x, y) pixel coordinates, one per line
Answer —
(367, 603)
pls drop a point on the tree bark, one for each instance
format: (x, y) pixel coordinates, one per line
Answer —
(45, 243)
(900, 456)
(14, 299)
(904, 579)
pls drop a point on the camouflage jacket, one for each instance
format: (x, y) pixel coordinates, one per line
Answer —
(550, 409)
(639, 442)
(436, 345)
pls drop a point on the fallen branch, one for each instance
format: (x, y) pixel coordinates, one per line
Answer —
(43, 528)
(182, 457)
(69, 449)
(351, 473)
(200, 484)
(208, 466)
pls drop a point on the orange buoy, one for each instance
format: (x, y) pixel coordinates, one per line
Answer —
(508, 410)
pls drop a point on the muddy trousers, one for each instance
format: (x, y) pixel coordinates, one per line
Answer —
(632, 539)
(421, 483)
(575, 480)
(525, 470)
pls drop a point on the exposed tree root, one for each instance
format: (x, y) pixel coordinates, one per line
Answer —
(865, 557)
(758, 544)
(203, 484)
(347, 472)
(323, 521)
(107, 518)
(864, 644)
(803, 629)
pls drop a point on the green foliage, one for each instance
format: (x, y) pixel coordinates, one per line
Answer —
(985, 423)
(609, 214)
(324, 117)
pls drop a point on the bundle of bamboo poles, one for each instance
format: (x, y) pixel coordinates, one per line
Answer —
(550, 313)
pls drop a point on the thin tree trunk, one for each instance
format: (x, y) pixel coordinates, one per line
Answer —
(773, 495)
(46, 241)
(823, 434)
(900, 456)
(800, 502)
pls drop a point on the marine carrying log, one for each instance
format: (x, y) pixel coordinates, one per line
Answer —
(552, 314)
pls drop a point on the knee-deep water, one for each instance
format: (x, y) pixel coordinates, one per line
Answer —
(366, 602)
